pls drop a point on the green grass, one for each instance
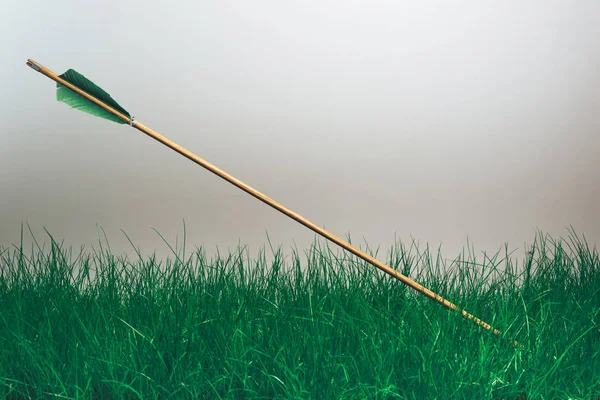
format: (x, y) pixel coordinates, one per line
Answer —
(319, 324)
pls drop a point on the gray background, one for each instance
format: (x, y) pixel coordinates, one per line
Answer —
(440, 121)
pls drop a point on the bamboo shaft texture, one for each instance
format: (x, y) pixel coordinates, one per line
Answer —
(274, 204)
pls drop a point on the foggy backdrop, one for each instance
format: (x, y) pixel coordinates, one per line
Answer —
(439, 121)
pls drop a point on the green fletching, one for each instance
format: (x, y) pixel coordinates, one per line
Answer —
(69, 97)
(73, 99)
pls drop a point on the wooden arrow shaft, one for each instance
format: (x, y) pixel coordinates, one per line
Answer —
(265, 199)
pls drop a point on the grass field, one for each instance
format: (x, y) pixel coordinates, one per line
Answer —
(317, 324)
